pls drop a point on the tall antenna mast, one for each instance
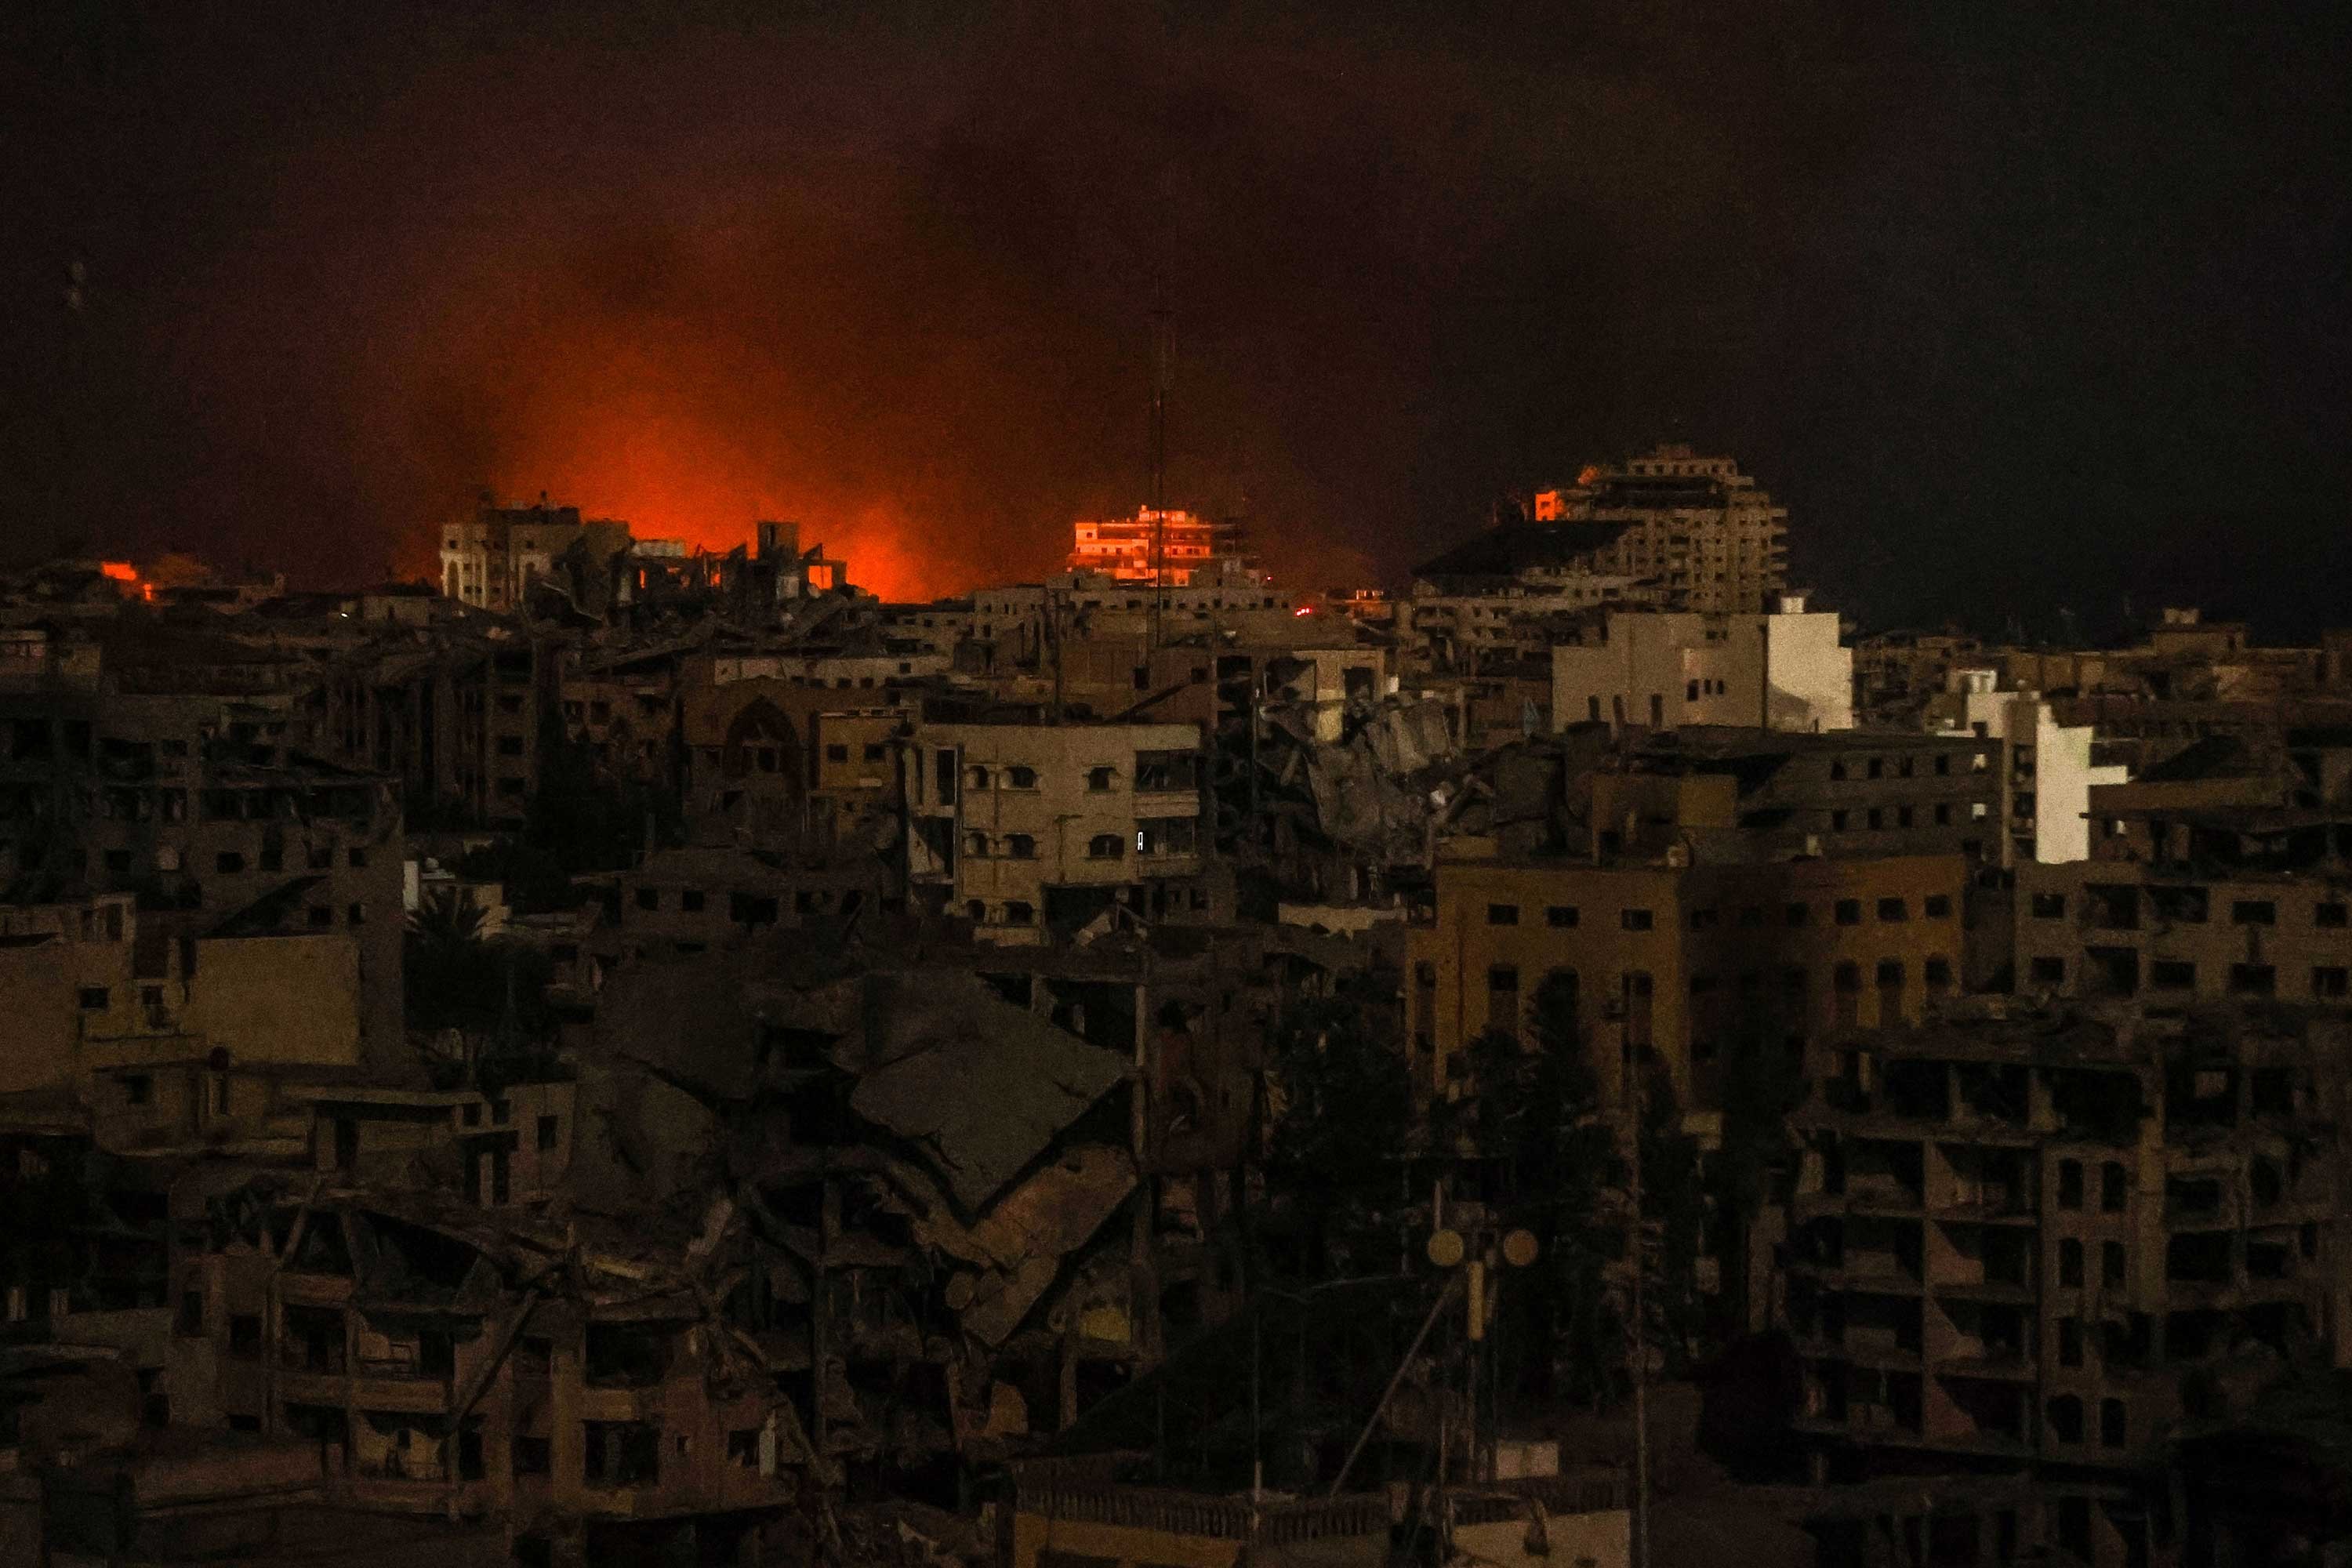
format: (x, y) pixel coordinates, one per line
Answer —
(1163, 357)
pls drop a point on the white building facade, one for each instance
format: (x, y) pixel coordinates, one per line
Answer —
(2047, 773)
(1782, 671)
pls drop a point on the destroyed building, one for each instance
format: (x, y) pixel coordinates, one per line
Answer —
(2218, 874)
(183, 770)
(2052, 1238)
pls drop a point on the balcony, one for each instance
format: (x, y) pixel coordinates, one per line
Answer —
(1879, 1352)
(1989, 1293)
(296, 1289)
(404, 1383)
(304, 1386)
(1884, 1196)
(1875, 1277)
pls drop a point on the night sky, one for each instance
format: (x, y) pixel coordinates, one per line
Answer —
(2015, 308)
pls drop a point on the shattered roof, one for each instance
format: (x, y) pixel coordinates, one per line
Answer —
(984, 1087)
(1503, 552)
(2209, 757)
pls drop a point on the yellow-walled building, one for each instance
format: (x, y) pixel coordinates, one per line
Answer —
(1704, 959)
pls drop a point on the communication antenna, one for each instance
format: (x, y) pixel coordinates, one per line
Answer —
(1163, 361)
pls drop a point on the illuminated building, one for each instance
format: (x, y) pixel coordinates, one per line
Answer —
(491, 561)
(1695, 527)
(1190, 548)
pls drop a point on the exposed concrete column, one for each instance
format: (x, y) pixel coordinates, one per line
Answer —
(567, 1446)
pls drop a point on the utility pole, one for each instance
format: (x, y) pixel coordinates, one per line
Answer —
(1638, 1252)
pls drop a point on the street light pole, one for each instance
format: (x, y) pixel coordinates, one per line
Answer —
(1637, 1252)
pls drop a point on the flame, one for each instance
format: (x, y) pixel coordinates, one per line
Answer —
(672, 483)
(669, 433)
(120, 570)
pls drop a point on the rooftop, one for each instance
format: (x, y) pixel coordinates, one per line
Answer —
(1501, 554)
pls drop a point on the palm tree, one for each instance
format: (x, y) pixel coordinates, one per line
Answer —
(447, 920)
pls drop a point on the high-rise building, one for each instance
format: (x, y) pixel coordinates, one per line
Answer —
(1189, 549)
(1696, 527)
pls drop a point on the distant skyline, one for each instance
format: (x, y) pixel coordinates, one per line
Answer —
(2013, 309)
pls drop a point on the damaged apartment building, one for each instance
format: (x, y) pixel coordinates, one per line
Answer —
(2221, 873)
(946, 1181)
(843, 1228)
(2030, 1249)
(886, 1108)
(179, 768)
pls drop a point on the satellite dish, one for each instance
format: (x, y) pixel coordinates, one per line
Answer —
(1445, 1248)
(1520, 1249)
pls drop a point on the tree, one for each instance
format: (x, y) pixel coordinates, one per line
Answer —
(1674, 1219)
(1533, 1121)
(1550, 1153)
(1340, 1106)
(1761, 1086)
(493, 991)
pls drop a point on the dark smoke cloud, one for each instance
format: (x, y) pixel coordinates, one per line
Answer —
(1965, 298)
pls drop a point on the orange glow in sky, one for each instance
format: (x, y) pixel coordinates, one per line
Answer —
(688, 435)
(671, 480)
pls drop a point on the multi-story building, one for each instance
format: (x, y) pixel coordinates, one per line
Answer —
(1841, 793)
(1778, 671)
(1695, 963)
(491, 560)
(1896, 673)
(457, 718)
(1169, 548)
(1511, 592)
(147, 1030)
(437, 1365)
(622, 708)
(1366, 606)
(1696, 527)
(176, 773)
(2188, 900)
(694, 899)
(2047, 769)
(774, 763)
(1032, 828)
(1016, 625)
(2048, 1238)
